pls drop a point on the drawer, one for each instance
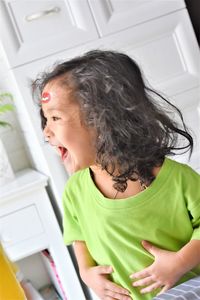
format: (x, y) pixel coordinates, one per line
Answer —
(114, 15)
(20, 225)
(35, 29)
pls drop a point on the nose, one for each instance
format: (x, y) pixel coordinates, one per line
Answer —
(48, 134)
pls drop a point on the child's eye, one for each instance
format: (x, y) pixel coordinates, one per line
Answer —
(55, 119)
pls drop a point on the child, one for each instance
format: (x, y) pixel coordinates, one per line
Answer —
(113, 134)
(10, 288)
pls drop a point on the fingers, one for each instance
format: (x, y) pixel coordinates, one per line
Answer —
(141, 274)
(144, 281)
(149, 283)
(111, 298)
(104, 269)
(116, 292)
(164, 289)
(114, 296)
(115, 288)
(150, 248)
(104, 287)
(150, 288)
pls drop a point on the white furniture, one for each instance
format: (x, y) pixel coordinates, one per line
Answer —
(28, 225)
(114, 15)
(35, 29)
(158, 34)
(160, 38)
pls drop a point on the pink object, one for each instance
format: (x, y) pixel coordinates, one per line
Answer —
(46, 97)
(53, 266)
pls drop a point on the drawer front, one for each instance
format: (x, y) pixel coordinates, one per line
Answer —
(20, 225)
(35, 29)
(114, 15)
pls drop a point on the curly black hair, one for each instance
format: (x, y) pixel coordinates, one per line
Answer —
(133, 124)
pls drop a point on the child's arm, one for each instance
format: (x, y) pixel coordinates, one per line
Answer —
(168, 267)
(96, 277)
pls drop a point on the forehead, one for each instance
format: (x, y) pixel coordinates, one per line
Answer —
(60, 96)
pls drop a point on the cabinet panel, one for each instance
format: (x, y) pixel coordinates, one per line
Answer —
(14, 226)
(28, 225)
(34, 29)
(115, 15)
(189, 104)
(166, 49)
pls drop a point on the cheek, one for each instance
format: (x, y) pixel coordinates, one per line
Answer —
(78, 138)
(69, 137)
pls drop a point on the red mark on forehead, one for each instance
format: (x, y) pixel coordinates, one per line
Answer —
(46, 97)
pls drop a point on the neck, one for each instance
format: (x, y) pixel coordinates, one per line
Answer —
(104, 183)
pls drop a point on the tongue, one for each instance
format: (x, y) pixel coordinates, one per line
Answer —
(62, 152)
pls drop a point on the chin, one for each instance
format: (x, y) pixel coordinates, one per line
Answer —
(71, 170)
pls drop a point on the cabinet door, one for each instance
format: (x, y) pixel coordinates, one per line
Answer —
(116, 15)
(34, 29)
(14, 226)
(189, 104)
(166, 49)
(22, 232)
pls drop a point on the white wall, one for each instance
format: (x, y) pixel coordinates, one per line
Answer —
(12, 137)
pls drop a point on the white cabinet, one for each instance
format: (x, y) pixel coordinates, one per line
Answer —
(35, 29)
(14, 226)
(28, 225)
(165, 48)
(116, 15)
(189, 103)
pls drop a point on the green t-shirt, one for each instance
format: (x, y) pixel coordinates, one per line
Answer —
(167, 214)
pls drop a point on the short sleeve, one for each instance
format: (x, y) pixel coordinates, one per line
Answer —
(196, 223)
(71, 226)
(193, 201)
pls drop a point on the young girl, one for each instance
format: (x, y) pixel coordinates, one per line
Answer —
(132, 214)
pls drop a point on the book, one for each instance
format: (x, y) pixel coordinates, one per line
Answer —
(50, 264)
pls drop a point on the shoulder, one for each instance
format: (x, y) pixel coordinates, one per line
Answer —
(76, 190)
(180, 165)
(77, 181)
(182, 171)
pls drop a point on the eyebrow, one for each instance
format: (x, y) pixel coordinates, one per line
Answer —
(51, 109)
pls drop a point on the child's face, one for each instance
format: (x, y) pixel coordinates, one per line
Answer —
(64, 129)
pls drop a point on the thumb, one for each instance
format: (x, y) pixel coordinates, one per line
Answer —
(105, 269)
(150, 247)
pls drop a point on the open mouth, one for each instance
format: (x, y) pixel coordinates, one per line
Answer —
(63, 152)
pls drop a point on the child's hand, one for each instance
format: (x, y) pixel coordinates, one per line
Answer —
(97, 279)
(165, 271)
